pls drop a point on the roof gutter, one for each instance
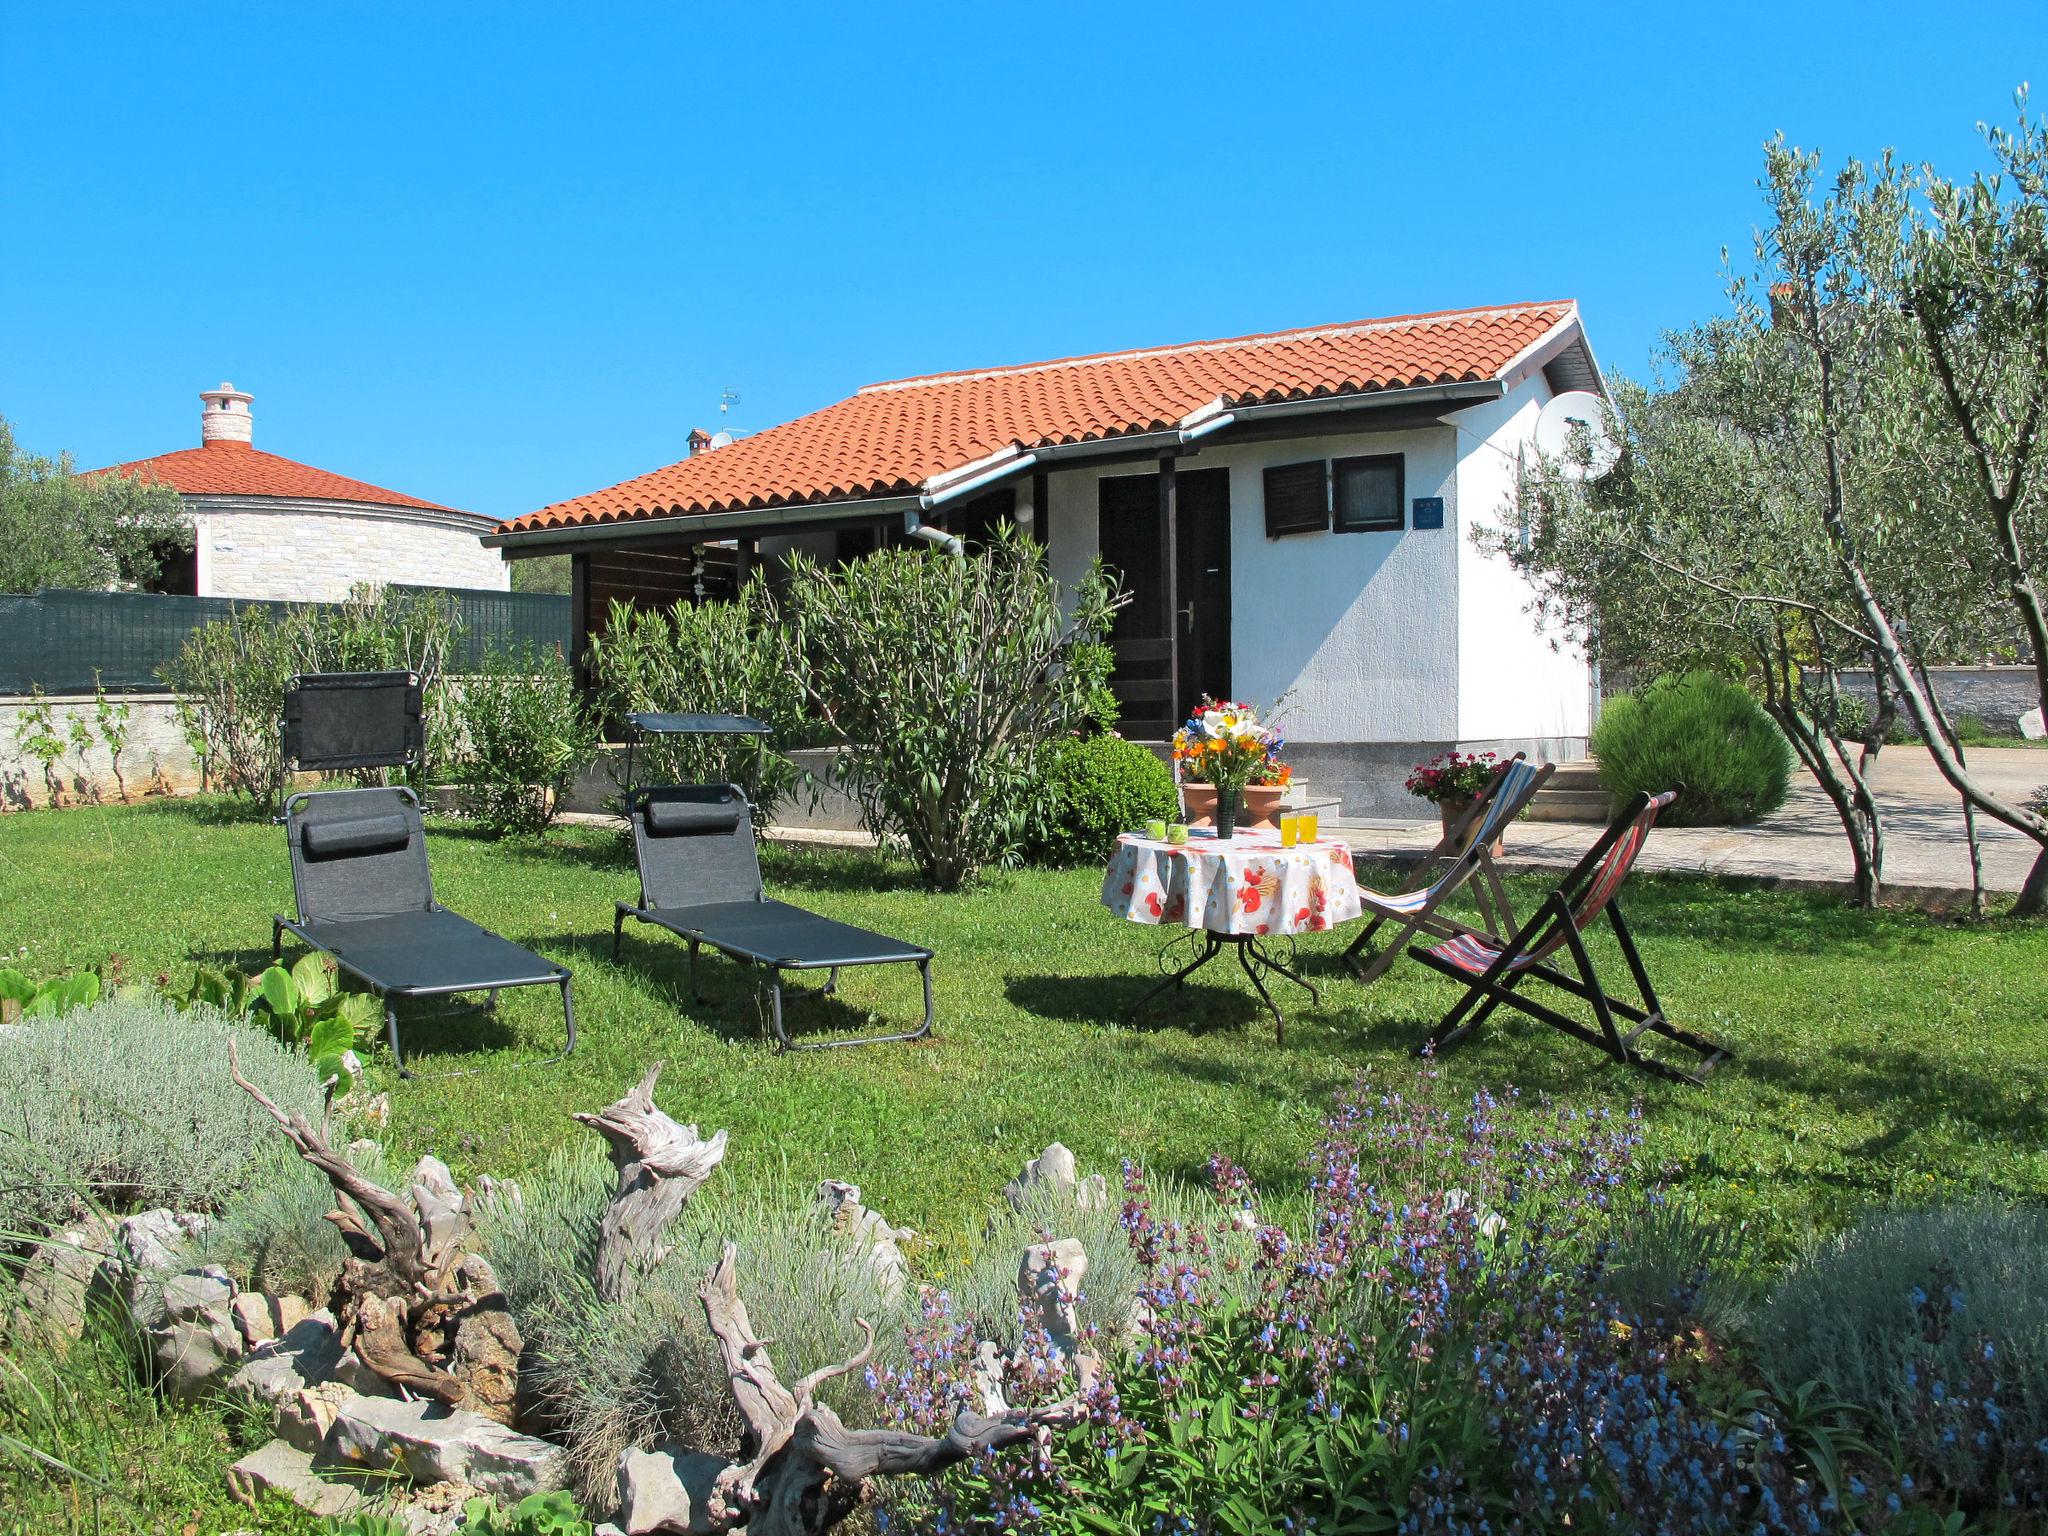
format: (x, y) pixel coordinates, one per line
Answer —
(1193, 427)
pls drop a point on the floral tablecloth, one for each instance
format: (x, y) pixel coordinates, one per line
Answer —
(1247, 884)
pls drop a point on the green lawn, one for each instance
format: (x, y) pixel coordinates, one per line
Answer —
(1877, 1057)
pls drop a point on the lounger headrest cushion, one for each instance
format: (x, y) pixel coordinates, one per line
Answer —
(358, 834)
(690, 818)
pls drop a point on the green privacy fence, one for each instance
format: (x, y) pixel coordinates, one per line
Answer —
(56, 641)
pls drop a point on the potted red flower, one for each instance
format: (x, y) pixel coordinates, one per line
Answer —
(1452, 781)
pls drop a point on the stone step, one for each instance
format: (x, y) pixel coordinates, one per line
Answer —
(1580, 775)
(1570, 805)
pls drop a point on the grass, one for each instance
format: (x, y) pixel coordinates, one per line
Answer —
(1878, 1057)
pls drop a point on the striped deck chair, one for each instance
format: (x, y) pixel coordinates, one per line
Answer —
(1466, 846)
(1494, 970)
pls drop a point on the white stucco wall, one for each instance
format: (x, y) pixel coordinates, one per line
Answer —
(1414, 636)
(1355, 634)
(315, 551)
(1516, 677)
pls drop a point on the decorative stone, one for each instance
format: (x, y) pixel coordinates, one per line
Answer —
(432, 1443)
(303, 1357)
(304, 1418)
(1056, 1171)
(443, 1221)
(666, 1489)
(435, 1510)
(57, 1281)
(838, 1203)
(2032, 724)
(193, 1294)
(146, 1246)
(193, 1355)
(282, 1468)
(257, 1318)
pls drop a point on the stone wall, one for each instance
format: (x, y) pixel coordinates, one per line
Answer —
(1998, 696)
(316, 551)
(155, 759)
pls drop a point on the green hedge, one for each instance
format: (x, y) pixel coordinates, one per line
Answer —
(1089, 789)
(1701, 735)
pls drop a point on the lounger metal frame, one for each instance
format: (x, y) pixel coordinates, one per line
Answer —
(766, 963)
(559, 975)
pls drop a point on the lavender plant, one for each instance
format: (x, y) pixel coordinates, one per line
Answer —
(1432, 1349)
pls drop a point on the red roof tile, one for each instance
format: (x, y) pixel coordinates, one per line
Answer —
(236, 469)
(892, 438)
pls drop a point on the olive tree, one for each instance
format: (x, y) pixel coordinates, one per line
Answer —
(86, 532)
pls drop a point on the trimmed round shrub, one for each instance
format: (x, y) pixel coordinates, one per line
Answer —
(1089, 789)
(127, 1104)
(1701, 735)
(1934, 1322)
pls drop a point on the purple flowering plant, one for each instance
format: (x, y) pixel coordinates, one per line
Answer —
(1431, 1347)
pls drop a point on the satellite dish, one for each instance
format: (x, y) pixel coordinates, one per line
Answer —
(1578, 408)
(721, 440)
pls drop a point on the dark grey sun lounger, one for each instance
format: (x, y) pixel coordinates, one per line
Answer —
(366, 896)
(700, 878)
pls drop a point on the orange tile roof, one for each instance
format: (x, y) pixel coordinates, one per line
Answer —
(892, 438)
(236, 469)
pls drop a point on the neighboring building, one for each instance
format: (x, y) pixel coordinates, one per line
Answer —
(1292, 514)
(265, 526)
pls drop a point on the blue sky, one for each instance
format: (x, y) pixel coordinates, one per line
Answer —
(496, 255)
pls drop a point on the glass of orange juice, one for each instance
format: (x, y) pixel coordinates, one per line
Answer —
(1308, 823)
(1290, 829)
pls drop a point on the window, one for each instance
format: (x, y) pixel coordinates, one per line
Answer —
(1369, 494)
(1297, 498)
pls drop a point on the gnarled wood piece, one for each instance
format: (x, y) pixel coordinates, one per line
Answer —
(395, 1242)
(660, 1164)
(804, 1469)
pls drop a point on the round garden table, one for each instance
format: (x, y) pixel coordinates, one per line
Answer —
(1242, 893)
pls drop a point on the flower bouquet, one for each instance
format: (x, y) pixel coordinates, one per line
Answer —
(1225, 746)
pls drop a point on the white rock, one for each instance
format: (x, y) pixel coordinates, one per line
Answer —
(281, 1468)
(303, 1418)
(2032, 725)
(666, 1489)
(1056, 1169)
(432, 1443)
(257, 1316)
(838, 1204)
(146, 1247)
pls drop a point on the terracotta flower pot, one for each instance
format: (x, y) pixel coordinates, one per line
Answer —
(1262, 803)
(1198, 804)
(1451, 810)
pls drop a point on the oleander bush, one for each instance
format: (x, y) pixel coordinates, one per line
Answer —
(943, 679)
(644, 1369)
(1701, 735)
(525, 735)
(733, 658)
(127, 1104)
(230, 676)
(1089, 789)
(1935, 1323)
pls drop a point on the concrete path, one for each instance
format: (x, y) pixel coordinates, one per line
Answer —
(1926, 858)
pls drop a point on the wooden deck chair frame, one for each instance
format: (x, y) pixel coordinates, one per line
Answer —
(1590, 890)
(1468, 846)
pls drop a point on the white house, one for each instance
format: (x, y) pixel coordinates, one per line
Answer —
(1291, 512)
(265, 526)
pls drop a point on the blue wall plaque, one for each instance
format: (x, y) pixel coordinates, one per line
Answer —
(1429, 512)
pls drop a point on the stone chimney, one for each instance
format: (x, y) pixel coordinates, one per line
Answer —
(224, 416)
(699, 441)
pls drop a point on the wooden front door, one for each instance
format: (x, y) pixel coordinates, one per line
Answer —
(1155, 700)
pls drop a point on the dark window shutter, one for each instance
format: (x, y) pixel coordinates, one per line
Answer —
(1368, 494)
(1297, 498)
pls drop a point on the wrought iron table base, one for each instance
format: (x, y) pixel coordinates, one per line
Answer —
(1253, 953)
